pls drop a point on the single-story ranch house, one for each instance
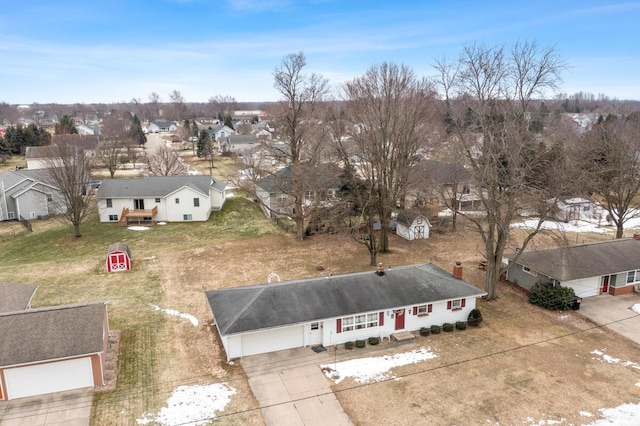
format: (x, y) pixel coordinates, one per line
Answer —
(339, 308)
(160, 198)
(590, 269)
(52, 349)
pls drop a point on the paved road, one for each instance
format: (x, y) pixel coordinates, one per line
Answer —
(292, 390)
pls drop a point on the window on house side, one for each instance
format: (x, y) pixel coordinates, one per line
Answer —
(314, 325)
(359, 322)
(113, 217)
(456, 304)
(109, 203)
(424, 309)
(177, 200)
(196, 202)
(187, 217)
(157, 200)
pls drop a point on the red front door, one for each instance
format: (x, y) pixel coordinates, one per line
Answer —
(399, 319)
(605, 285)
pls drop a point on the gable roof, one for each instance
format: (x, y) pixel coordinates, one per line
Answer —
(264, 306)
(11, 178)
(156, 186)
(15, 297)
(406, 217)
(51, 333)
(320, 176)
(584, 260)
(119, 247)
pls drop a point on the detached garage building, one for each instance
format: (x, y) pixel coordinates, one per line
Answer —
(336, 309)
(52, 349)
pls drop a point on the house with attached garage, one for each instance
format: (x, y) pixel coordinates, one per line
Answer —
(606, 267)
(29, 194)
(52, 349)
(160, 198)
(339, 308)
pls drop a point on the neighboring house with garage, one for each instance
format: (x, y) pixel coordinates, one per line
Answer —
(606, 267)
(28, 194)
(335, 309)
(52, 349)
(160, 198)
(412, 225)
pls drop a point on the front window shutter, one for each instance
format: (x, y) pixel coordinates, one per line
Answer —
(381, 321)
(463, 302)
(415, 310)
(449, 304)
(429, 307)
(339, 325)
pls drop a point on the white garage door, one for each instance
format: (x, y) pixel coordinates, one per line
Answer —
(273, 340)
(47, 378)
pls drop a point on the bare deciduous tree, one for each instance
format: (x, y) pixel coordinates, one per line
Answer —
(301, 95)
(393, 109)
(221, 106)
(609, 157)
(68, 168)
(512, 167)
(165, 162)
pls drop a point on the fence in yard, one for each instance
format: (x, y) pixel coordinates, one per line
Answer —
(26, 223)
(284, 224)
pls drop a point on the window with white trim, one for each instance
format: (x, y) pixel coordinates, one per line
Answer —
(11, 215)
(32, 215)
(456, 304)
(196, 202)
(423, 309)
(187, 217)
(113, 217)
(633, 276)
(157, 200)
(177, 200)
(358, 322)
(315, 325)
(109, 203)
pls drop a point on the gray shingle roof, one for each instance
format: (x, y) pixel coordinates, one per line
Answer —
(52, 332)
(406, 217)
(320, 176)
(585, 260)
(156, 186)
(122, 247)
(264, 306)
(15, 297)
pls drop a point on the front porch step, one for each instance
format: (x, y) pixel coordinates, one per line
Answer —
(402, 336)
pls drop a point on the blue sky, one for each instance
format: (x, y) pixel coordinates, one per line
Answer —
(69, 51)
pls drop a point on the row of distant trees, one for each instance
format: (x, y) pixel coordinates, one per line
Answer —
(484, 111)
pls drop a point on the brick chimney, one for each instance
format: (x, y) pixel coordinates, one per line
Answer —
(457, 269)
(380, 270)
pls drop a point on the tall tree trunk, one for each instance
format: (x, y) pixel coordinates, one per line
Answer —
(619, 229)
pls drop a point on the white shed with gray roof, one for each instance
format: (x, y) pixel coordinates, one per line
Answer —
(339, 308)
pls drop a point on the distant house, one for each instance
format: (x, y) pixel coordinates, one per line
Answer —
(152, 128)
(335, 309)
(160, 198)
(268, 156)
(323, 189)
(238, 144)
(52, 349)
(611, 267)
(412, 225)
(37, 156)
(166, 126)
(577, 208)
(29, 194)
(219, 132)
(437, 183)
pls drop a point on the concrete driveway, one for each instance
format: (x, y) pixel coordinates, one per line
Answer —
(292, 390)
(614, 312)
(70, 408)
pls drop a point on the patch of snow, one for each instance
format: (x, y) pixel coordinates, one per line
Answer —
(230, 195)
(564, 317)
(138, 228)
(191, 405)
(572, 226)
(636, 308)
(622, 415)
(374, 369)
(161, 223)
(585, 414)
(175, 313)
(612, 360)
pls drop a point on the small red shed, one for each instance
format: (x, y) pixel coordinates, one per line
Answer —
(118, 257)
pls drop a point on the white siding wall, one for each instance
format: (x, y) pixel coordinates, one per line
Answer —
(585, 287)
(176, 212)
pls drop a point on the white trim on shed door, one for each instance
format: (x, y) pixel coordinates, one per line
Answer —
(50, 377)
